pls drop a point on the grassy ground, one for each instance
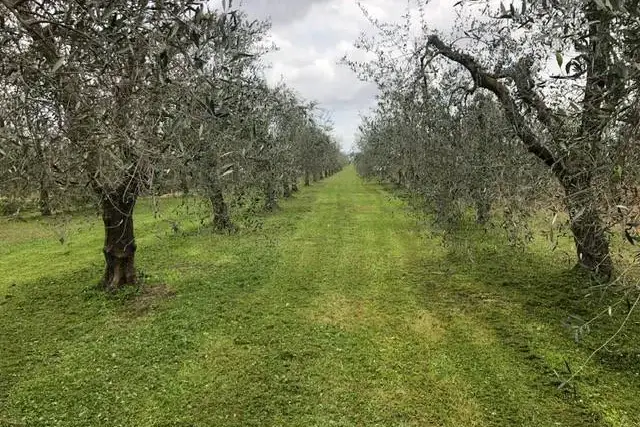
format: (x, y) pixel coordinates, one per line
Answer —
(342, 309)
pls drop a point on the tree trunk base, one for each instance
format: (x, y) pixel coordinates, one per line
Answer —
(45, 203)
(483, 213)
(119, 271)
(592, 244)
(119, 242)
(221, 220)
(223, 224)
(271, 199)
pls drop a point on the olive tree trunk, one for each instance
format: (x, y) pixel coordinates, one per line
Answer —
(483, 211)
(119, 240)
(588, 229)
(271, 197)
(219, 209)
(44, 200)
(286, 190)
(221, 220)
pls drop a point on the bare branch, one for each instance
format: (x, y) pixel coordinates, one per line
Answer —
(488, 81)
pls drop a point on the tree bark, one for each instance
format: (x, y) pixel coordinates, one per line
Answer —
(221, 220)
(44, 200)
(119, 242)
(219, 209)
(286, 190)
(184, 185)
(294, 186)
(483, 211)
(307, 179)
(592, 244)
(271, 198)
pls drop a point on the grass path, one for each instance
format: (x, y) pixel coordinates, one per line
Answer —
(340, 311)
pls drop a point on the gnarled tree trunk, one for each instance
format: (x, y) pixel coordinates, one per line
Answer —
(271, 197)
(286, 190)
(592, 244)
(219, 210)
(44, 200)
(221, 220)
(483, 211)
(119, 240)
(482, 204)
(184, 185)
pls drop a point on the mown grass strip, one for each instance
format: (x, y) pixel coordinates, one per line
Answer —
(338, 311)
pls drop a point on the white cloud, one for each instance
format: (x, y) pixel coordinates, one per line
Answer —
(314, 35)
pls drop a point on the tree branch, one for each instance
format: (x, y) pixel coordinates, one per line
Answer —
(488, 81)
(521, 76)
(34, 30)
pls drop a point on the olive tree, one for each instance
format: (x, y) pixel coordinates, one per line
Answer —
(213, 110)
(102, 67)
(571, 116)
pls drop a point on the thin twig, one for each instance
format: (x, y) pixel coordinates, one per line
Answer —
(596, 351)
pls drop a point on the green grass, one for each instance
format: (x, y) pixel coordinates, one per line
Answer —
(341, 309)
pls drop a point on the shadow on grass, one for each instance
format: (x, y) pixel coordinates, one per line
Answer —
(32, 313)
(519, 292)
(67, 315)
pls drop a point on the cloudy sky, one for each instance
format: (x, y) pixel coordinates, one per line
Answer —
(312, 37)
